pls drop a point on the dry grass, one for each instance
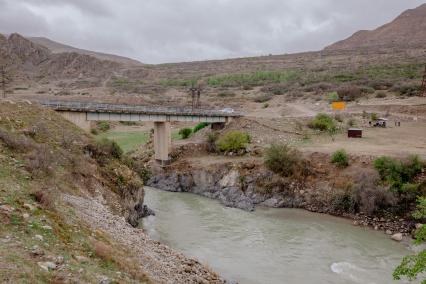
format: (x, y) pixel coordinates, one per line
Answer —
(117, 256)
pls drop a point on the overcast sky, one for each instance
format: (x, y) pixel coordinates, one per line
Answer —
(157, 31)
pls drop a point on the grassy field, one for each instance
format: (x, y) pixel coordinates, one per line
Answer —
(130, 140)
(127, 140)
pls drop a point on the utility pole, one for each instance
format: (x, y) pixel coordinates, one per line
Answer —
(5, 77)
(195, 92)
(3, 80)
(423, 88)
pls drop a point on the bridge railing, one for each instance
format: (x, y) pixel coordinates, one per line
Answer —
(103, 107)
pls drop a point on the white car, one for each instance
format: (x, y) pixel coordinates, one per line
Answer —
(227, 110)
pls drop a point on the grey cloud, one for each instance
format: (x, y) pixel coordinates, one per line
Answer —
(156, 31)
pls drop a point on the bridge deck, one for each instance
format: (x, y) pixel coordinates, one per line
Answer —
(135, 109)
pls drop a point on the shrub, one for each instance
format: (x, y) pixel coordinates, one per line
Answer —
(211, 141)
(265, 105)
(344, 200)
(351, 122)
(318, 87)
(200, 126)
(15, 142)
(370, 198)
(349, 93)
(103, 126)
(381, 95)
(233, 141)
(323, 122)
(41, 161)
(380, 85)
(408, 90)
(414, 265)
(263, 98)
(276, 89)
(185, 133)
(374, 116)
(282, 159)
(104, 149)
(333, 97)
(128, 123)
(398, 174)
(44, 197)
(94, 131)
(367, 90)
(226, 94)
(338, 117)
(340, 158)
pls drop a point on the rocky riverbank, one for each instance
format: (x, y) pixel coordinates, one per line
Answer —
(159, 262)
(246, 185)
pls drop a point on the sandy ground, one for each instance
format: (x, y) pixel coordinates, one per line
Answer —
(402, 141)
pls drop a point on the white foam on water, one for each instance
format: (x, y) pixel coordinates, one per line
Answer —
(350, 272)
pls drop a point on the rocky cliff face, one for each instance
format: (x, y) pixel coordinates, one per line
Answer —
(246, 185)
(241, 186)
(408, 29)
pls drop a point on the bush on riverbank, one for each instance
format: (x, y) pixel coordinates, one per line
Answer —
(233, 141)
(282, 159)
(399, 175)
(414, 265)
(340, 158)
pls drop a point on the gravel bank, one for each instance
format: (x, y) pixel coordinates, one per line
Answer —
(159, 262)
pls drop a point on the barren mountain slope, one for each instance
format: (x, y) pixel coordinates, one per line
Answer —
(38, 62)
(57, 47)
(408, 29)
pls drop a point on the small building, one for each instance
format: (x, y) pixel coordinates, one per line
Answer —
(354, 133)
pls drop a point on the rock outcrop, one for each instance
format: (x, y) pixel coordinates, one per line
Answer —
(247, 185)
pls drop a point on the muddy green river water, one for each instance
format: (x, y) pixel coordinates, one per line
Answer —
(271, 245)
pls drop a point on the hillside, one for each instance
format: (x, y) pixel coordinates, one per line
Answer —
(66, 205)
(57, 47)
(408, 29)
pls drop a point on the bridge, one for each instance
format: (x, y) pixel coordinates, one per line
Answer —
(83, 113)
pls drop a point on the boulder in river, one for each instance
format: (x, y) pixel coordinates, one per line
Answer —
(397, 237)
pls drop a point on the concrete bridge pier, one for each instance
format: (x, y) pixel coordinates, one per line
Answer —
(162, 141)
(78, 118)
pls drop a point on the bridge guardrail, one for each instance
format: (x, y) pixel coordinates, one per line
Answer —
(99, 107)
